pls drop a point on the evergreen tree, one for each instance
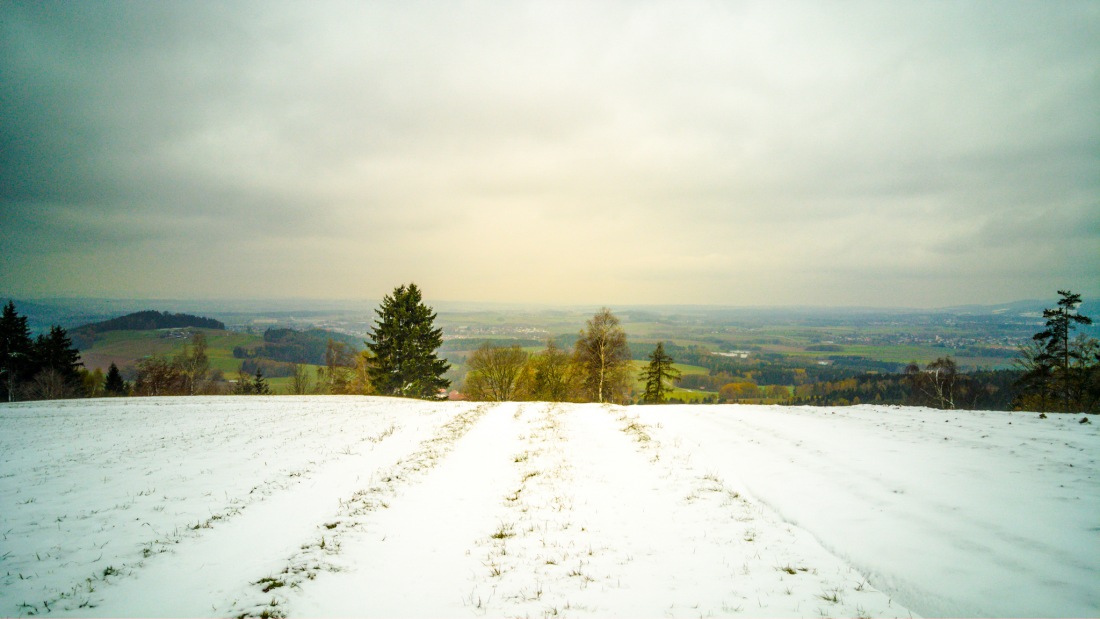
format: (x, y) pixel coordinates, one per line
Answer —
(16, 352)
(113, 385)
(57, 362)
(656, 374)
(1060, 362)
(259, 385)
(404, 341)
(603, 356)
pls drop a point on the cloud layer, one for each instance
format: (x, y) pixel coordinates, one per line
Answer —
(737, 153)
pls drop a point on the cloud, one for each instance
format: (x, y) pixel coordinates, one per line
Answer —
(746, 153)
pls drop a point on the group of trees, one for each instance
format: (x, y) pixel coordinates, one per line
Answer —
(1060, 372)
(597, 370)
(47, 367)
(292, 346)
(1056, 371)
(187, 373)
(400, 360)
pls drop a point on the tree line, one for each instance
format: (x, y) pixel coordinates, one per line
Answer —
(1055, 371)
(598, 369)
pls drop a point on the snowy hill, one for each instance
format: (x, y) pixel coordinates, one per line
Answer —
(352, 506)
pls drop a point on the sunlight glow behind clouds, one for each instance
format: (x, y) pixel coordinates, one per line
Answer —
(736, 153)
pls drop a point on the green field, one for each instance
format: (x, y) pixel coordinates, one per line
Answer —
(685, 395)
(126, 348)
(852, 341)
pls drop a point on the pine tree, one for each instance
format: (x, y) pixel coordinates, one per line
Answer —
(113, 385)
(259, 385)
(16, 351)
(656, 374)
(1058, 357)
(404, 341)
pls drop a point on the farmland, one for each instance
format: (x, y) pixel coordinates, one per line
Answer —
(784, 347)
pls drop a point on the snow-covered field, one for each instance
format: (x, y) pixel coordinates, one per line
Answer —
(331, 506)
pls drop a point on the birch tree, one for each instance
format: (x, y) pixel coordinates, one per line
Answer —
(604, 358)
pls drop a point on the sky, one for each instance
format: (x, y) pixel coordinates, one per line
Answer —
(914, 154)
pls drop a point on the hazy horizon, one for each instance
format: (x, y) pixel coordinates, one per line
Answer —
(284, 304)
(743, 154)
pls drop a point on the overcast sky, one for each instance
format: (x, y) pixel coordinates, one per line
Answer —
(772, 153)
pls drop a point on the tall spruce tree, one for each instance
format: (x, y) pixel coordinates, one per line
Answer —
(404, 341)
(16, 352)
(657, 374)
(259, 385)
(113, 385)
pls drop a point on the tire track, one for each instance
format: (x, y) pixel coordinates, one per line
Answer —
(271, 594)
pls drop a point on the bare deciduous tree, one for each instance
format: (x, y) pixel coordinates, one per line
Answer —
(494, 372)
(336, 374)
(156, 375)
(299, 379)
(549, 376)
(194, 364)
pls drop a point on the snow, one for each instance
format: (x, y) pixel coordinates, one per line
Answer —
(954, 513)
(355, 506)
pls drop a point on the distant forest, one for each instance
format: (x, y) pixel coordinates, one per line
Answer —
(147, 320)
(292, 346)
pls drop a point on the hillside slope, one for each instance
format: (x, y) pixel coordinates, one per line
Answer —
(147, 320)
(386, 507)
